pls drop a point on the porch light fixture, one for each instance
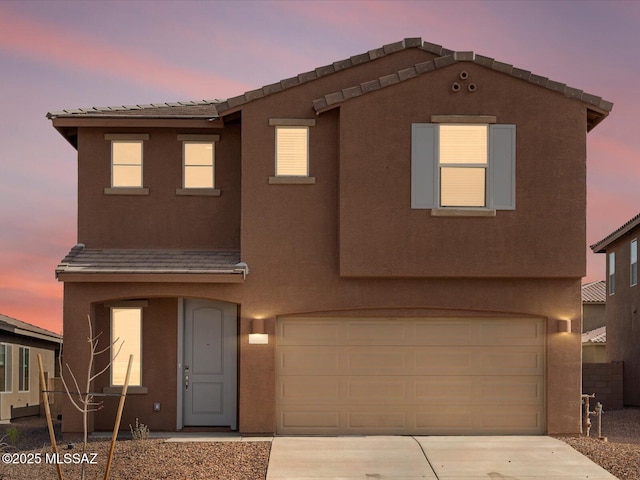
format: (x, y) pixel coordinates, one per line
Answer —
(257, 335)
(564, 325)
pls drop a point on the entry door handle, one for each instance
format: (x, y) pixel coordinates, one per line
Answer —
(186, 378)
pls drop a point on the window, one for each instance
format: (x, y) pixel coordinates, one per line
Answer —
(126, 163)
(634, 262)
(126, 332)
(198, 164)
(463, 165)
(463, 162)
(23, 369)
(292, 150)
(5, 367)
(612, 273)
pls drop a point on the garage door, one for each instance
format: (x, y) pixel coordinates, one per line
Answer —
(426, 376)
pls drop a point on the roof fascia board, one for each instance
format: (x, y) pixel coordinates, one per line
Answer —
(39, 336)
(133, 121)
(231, 277)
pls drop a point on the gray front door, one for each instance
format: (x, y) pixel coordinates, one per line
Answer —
(210, 362)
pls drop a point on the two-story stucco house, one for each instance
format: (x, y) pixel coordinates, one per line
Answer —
(623, 300)
(393, 243)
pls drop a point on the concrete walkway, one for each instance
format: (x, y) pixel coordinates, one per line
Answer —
(442, 458)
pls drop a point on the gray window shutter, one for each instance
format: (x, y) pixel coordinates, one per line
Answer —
(424, 165)
(502, 166)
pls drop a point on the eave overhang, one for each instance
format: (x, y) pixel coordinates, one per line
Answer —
(151, 266)
(106, 277)
(601, 246)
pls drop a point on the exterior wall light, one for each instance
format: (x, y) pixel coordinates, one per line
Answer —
(564, 325)
(257, 335)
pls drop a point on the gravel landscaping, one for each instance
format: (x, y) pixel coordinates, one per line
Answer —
(154, 459)
(620, 455)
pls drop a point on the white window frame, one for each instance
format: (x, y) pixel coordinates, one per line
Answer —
(633, 262)
(186, 167)
(500, 173)
(24, 377)
(115, 166)
(8, 367)
(462, 165)
(611, 273)
(115, 347)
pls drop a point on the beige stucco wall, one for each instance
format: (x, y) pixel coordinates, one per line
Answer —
(32, 396)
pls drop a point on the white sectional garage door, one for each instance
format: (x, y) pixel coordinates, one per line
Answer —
(426, 376)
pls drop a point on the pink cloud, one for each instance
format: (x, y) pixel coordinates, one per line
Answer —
(45, 42)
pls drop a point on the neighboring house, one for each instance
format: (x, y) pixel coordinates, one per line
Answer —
(594, 305)
(594, 344)
(20, 344)
(593, 322)
(623, 300)
(371, 247)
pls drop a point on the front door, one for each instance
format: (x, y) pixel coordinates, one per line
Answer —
(209, 369)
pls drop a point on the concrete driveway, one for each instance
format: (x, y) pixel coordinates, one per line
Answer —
(443, 458)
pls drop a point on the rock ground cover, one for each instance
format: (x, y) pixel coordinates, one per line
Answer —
(154, 459)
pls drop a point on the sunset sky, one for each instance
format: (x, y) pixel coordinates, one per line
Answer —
(58, 55)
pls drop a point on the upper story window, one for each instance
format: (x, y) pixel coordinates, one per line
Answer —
(463, 162)
(126, 332)
(292, 150)
(634, 261)
(198, 165)
(612, 273)
(126, 163)
(23, 369)
(5, 367)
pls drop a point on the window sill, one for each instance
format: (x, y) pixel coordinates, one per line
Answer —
(197, 192)
(130, 390)
(284, 180)
(126, 191)
(463, 212)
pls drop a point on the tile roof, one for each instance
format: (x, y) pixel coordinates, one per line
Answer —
(26, 329)
(213, 108)
(599, 335)
(601, 246)
(594, 292)
(194, 109)
(444, 58)
(95, 260)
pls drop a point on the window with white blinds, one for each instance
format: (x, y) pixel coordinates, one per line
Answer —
(463, 165)
(292, 151)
